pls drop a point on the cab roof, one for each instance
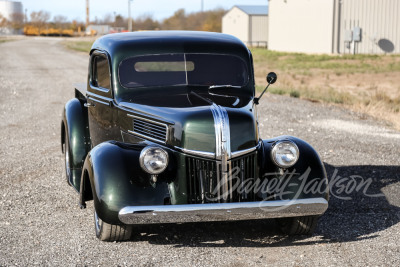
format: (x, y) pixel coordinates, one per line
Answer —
(123, 45)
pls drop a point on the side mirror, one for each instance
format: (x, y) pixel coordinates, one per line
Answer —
(271, 78)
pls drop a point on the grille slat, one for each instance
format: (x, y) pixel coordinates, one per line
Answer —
(149, 129)
(205, 176)
(145, 124)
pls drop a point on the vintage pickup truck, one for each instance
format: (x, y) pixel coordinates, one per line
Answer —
(166, 130)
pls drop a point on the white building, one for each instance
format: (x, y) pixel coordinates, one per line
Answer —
(98, 29)
(12, 12)
(248, 23)
(335, 26)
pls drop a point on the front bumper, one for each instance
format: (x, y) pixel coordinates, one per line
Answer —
(222, 211)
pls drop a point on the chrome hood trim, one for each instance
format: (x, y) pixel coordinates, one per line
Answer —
(222, 132)
(222, 146)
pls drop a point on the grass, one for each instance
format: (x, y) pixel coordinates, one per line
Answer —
(80, 46)
(340, 63)
(312, 94)
(3, 40)
(364, 83)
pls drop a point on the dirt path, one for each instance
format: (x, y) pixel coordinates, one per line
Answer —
(41, 224)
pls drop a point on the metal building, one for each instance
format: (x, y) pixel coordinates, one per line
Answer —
(335, 26)
(11, 11)
(248, 23)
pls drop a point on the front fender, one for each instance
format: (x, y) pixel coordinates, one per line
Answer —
(75, 128)
(117, 180)
(306, 179)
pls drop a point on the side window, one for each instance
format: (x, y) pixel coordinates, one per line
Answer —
(101, 72)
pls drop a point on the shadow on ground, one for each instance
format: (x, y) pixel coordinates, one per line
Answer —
(360, 217)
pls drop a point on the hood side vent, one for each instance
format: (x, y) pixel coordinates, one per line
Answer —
(148, 129)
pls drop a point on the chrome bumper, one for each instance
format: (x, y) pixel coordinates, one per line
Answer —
(222, 211)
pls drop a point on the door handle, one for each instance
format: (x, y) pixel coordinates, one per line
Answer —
(88, 105)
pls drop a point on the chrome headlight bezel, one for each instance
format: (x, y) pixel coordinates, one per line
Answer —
(145, 152)
(275, 155)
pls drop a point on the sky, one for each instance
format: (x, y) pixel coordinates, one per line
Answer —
(158, 9)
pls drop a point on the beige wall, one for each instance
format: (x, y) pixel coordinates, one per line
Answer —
(301, 25)
(259, 30)
(379, 21)
(236, 23)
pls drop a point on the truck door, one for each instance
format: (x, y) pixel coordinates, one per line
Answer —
(99, 99)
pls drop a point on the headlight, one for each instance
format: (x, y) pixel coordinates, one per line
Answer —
(153, 160)
(285, 153)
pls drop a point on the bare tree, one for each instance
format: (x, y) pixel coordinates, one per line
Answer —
(176, 22)
(213, 20)
(120, 21)
(60, 21)
(146, 22)
(3, 21)
(198, 21)
(40, 17)
(17, 21)
(107, 19)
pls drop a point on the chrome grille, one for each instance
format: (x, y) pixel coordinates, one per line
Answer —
(148, 129)
(204, 179)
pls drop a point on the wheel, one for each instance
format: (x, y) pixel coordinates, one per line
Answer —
(298, 225)
(110, 232)
(67, 160)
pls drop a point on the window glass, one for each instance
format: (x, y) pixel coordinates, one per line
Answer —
(160, 66)
(101, 72)
(183, 69)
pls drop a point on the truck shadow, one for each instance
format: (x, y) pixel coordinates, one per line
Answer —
(352, 215)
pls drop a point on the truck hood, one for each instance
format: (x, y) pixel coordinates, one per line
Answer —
(192, 127)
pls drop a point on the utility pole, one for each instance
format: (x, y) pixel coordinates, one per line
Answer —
(202, 5)
(129, 16)
(87, 13)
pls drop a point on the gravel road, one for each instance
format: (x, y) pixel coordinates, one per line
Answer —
(41, 223)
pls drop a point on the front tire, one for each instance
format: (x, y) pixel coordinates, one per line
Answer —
(298, 225)
(110, 232)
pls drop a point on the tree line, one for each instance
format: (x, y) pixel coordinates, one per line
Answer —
(198, 21)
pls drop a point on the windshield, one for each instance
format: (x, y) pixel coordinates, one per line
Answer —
(183, 69)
